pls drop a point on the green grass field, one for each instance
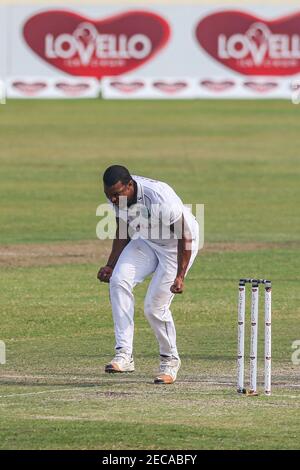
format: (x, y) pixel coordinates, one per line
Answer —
(239, 158)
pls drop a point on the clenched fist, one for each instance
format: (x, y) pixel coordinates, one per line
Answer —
(105, 273)
(177, 286)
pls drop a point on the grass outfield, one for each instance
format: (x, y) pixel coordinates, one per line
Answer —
(241, 159)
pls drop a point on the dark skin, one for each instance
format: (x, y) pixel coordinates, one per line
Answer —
(184, 253)
(113, 193)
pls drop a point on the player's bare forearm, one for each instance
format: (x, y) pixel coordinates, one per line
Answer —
(117, 248)
(104, 273)
(184, 253)
(184, 256)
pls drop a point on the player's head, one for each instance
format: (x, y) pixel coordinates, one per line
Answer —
(118, 182)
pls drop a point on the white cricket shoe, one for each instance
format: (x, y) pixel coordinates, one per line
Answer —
(122, 362)
(167, 370)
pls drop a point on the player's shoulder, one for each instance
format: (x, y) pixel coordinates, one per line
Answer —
(153, 188)
(144, 181)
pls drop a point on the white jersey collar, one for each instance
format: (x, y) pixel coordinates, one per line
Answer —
(140, 193)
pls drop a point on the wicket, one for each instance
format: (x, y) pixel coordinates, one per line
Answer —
(254, 335)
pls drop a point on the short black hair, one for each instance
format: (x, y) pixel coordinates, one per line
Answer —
(116, 173)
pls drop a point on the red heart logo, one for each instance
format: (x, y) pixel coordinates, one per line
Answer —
(170, 87)
(217, 86)
(127, 87)
(251, 45)
(29, 89)
(261, 87)
(96, 48)
(72, 89)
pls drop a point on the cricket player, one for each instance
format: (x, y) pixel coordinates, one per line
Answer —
(161, 238)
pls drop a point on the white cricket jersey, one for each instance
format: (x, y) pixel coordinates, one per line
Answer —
(161, 208)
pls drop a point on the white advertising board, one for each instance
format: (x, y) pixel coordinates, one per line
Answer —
(232, 52)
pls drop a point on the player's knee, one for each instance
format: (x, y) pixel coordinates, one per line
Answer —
(151, 309)
(117, 280)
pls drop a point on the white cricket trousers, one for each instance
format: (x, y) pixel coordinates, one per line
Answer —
(139, 259)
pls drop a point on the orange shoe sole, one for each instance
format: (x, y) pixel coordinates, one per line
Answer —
(164, 379)
(114, 369)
